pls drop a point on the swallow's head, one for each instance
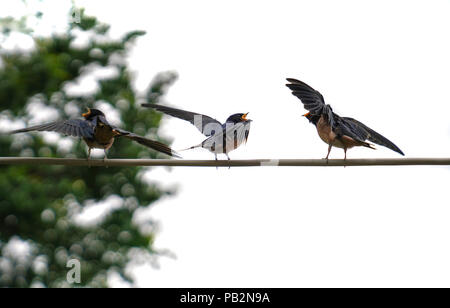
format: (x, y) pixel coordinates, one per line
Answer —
(308, 116)
(91, 113)
(311, 118)
(237, 118)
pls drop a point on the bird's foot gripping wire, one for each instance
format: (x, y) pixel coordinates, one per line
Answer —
(328, 154)
(105, 159)
(229, 166)
(89, 158)
(345, 157)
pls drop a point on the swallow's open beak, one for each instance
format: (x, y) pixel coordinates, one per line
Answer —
(85, 115)
(306, 114)
(244, 117)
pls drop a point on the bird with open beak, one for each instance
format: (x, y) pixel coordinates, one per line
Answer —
(341, 132)
(95, 130)
(222, 138)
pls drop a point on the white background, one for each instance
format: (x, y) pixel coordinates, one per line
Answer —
(385, 63)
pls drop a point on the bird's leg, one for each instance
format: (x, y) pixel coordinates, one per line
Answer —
(106, 157)
(345, 156)
(329, 150)
(215, 155)
(229, 167)
(89, 158)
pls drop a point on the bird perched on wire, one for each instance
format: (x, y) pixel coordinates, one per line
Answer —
(341, 132)
(222, 138)
(96, 132)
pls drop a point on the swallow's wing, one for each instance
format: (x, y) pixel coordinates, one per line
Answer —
(155, 145)
(205, 124)
(242, 131)
(359, 131)
(72, 127)
(312, 100)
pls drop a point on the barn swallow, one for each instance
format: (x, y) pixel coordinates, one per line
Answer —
(222, 138)
(96, 132)
(341, 132)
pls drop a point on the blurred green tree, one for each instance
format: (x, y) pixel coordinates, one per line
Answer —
(41, 206)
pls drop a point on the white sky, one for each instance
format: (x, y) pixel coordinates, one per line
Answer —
(384, 63)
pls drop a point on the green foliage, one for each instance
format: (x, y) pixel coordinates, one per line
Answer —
(38, 204)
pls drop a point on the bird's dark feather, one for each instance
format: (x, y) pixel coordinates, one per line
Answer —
(72, 127)
(155, 145)
(188, 116)
(366, 133)
(312, 100)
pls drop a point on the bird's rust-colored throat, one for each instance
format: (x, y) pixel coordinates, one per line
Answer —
(87, 114)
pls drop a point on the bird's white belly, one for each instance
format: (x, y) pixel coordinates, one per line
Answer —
(217, 146)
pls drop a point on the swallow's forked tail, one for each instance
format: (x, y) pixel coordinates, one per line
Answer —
(153, 144)
(190, 148)
(369, 145)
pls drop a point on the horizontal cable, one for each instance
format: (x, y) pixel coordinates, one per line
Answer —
(224, 163)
